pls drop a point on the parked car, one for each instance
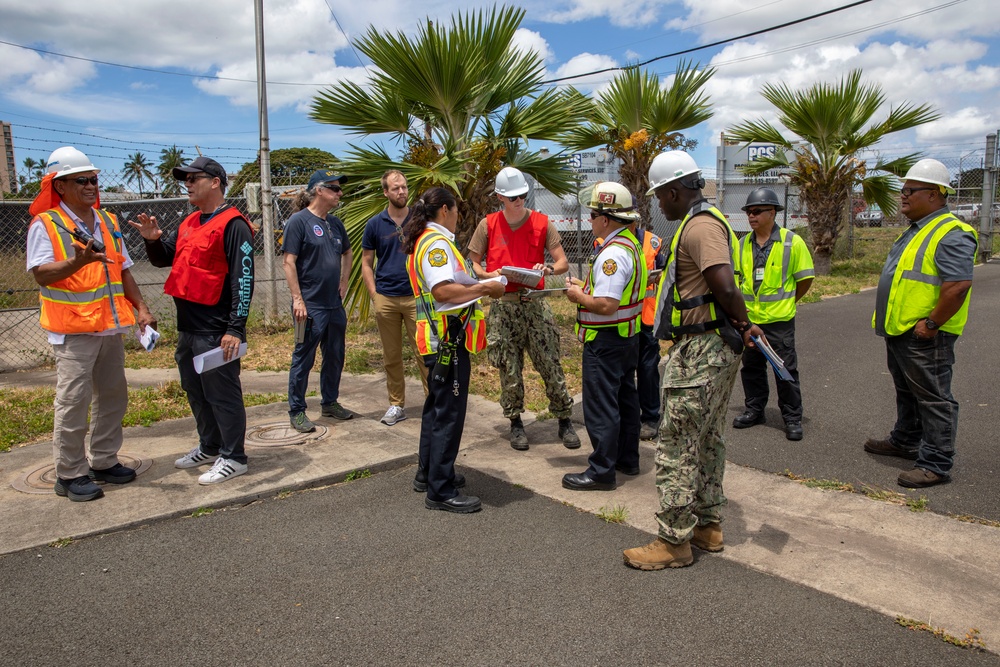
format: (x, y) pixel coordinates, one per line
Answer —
(966, 212)
(870, 217)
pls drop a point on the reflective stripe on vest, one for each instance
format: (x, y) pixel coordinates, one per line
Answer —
(916, 285)
(429, 321)
(626, 316)
(774, 300)
(91, 300)
(667, 324)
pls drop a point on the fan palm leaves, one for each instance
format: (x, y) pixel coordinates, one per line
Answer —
(637, 117)
(463, 101)
(833, 124)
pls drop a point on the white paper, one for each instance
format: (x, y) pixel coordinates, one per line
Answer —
(206, 361)
(521, 276)
(463, 278)
(148, 337)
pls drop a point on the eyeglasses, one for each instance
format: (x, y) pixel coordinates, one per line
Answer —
(757, 212)
(196, 177)
(520, 196)
(906, 192)
(332, 188)
(84, 180)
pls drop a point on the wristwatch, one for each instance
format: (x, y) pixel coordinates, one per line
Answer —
(931, 324)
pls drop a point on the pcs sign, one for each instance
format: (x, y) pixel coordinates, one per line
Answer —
(760, 151)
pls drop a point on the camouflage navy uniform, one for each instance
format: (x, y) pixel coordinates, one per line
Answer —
(516, 327)
(698, 378)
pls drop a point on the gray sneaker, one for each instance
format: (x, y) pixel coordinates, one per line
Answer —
(301, 423)
(336, 411)
(393, 414)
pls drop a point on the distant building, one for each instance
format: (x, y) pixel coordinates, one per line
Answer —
(8, 165)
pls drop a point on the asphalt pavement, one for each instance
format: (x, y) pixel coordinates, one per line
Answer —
(289, 569)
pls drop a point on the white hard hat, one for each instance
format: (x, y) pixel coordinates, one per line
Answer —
(931, 171)
(670, 166)
(67, 161)
(510, 182)
(611, 198)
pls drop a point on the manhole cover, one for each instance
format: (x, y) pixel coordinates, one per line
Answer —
(43, 479)
(282, 435)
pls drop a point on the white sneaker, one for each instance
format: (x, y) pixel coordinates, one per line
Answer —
(193, 459)
(393, 414)
(222, 470)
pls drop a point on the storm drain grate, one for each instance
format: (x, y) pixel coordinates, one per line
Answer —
(41, 480)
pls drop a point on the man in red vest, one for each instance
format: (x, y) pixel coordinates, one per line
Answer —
(520, 237)
(211, 279)
(77, 256)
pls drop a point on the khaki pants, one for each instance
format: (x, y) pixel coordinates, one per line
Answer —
(90, 372)
(391, 314)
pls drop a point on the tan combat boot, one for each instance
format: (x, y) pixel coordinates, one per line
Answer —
(708, 537)
(658, 555)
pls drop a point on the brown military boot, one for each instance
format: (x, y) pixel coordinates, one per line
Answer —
(708, 538)
(659, 554)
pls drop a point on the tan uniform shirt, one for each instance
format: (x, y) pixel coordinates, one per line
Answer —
(704, 243)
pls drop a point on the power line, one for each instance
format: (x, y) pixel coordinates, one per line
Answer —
(160, 132)
(124, 141)
(712, 45)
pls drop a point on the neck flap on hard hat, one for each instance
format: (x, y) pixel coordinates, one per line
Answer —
(48, 197)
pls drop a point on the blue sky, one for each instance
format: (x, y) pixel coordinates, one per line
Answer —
(942, 52)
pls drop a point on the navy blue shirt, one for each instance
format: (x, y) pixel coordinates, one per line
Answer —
(317, 244)
(382, 236)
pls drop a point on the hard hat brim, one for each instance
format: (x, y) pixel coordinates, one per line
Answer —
(76, 170)
(513, 192)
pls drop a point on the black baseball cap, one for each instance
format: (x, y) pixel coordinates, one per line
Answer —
(201, 164)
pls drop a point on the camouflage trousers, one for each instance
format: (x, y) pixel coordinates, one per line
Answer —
(513, 328)
(698, 378)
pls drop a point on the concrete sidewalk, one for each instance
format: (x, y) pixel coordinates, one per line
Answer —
(922, 566)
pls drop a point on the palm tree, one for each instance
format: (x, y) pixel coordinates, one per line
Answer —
(169, 159)
(36, 168)
(832, 122)
(136, 167)
(636, 118)
(463, 101)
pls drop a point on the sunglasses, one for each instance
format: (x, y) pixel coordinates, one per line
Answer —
(906, 192)
(196, 177)
(516, 197)
(594, 215)
(757, 212)
(332, 188)
(84, 180)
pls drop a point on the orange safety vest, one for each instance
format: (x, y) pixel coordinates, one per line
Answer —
(199, 269)
(91, 300)
(431, 323)
(522, 248)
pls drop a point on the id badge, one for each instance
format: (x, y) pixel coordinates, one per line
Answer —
(758, 274)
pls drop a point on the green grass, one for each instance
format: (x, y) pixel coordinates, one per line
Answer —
(29, 413)
(357, 474)
(614, 514)
(61, 542)
(200, 512)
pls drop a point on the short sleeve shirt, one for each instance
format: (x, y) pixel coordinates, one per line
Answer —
(383, 236)
(704, 243)
(318, 244)
(612, 271)
(439, 263)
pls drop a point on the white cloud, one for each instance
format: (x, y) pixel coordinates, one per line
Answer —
(621, 14)
(528, 41)
(963, 125)
(587, 62)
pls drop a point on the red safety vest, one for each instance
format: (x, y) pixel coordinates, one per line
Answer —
(200, 265)
(91, 300)
(522, 248)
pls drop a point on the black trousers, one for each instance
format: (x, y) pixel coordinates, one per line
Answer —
(781, 336)
(648, 375)
(611, 403)
(441, 426)
(215, 397)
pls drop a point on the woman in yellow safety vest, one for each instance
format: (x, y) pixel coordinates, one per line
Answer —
(450, 326)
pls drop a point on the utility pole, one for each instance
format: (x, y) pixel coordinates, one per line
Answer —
(986, 212)
(266, 201)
